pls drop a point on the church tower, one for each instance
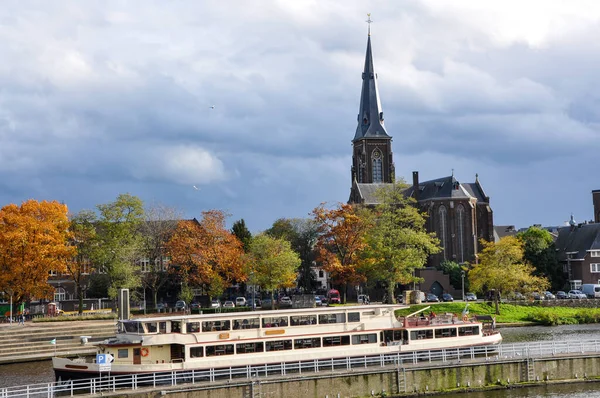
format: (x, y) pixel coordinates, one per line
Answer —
(372, 161)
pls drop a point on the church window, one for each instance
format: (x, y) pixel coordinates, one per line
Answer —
(377, 167)
(443, 236)
(460, 221)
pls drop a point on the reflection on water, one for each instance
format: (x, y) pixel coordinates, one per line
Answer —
(19, 374)
(588, 390)
(553, 333)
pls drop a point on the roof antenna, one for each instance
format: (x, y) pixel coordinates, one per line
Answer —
(369, 22)
(452, 172)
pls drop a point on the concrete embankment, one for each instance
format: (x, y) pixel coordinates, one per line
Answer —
(409, 380)
(43, 340)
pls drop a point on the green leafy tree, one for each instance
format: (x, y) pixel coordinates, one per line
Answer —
(120, 242)
(85, 239)
(454, 271)
(398, 243)
(272, 263)
(302, 233)
(540, 252)
(242, 232)
(502, 268)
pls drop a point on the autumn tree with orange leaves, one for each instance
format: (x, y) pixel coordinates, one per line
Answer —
(33, 241)
(206, 254)
(341, 242)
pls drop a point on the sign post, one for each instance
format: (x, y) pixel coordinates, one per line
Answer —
(104, 362)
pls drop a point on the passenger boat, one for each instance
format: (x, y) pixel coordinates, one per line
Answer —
(186, 342)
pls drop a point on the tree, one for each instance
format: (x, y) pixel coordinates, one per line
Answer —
(242, 232)
(85, 239)
(454, 271)
(502, 268)
(302, 233)
(206, 254)
(120, 242)
(273, 263)
(33, 242)
(398, 243)
(341, 242)
(160, 222)
(540, 252)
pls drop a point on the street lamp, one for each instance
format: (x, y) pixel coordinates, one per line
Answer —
(462, 275)
(253, 290)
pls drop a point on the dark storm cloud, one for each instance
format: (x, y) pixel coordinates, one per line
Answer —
(99, 98)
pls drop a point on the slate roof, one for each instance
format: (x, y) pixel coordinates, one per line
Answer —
(579, 239)
(500, 231)
(448, 188)
(370, 115)
(368, 192)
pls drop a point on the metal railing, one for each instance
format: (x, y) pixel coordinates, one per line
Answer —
(246, 375)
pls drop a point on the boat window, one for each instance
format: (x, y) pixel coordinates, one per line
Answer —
(354, 317)
(446, 332)
(307, 343)
(468, 331)
(193, 327)
(123, 353)
(196, 352)
(336, 340)
(249, 348)
(216, 326)
(274, 321)
(175, 327)
(162, 327)
(250, 323)
(332, 318)
(132, 327)
(364, 338)
(151, 327)
(278, 345)
(368, 313)
(421, 334)
(221, 349)
(393, 335)
(303, 320)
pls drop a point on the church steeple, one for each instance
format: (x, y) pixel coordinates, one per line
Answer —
(370, 114)
(372, 161)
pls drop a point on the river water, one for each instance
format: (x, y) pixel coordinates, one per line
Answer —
(41, 372)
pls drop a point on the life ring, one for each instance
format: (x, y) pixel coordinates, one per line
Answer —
(465, 318)
(144, 352)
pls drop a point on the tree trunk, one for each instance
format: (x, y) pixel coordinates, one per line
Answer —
(80, 296)
(390, 293)
(497, 304)
(272, 301)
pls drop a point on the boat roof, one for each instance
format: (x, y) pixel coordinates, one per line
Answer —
(284, 312)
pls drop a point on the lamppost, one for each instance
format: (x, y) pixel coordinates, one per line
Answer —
(253, 291)
(462, 275)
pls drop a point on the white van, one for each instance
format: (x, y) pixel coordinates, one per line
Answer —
(591, 290)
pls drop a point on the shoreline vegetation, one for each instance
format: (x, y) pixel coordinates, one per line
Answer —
(515, 314)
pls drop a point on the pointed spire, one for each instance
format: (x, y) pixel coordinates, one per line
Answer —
(370, 114)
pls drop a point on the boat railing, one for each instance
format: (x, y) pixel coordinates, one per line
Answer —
(246, 375)
(433, 320)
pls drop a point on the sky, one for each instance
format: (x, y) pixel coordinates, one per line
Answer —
(250, 106)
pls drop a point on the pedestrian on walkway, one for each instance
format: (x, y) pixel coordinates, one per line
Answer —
(21, 319)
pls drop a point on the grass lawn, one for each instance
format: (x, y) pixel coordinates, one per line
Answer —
(510, 313)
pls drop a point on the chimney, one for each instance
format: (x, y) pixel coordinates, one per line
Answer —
(596, 199)
(416, 185)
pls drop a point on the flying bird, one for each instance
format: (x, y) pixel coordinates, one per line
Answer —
(196, 188)
(212, 107)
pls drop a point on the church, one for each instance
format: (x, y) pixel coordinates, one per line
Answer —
(459, 213)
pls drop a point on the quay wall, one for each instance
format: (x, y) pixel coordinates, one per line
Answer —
(394, 382)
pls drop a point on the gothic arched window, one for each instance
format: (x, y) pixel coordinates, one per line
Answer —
(460, 222)
(377, 167)
(442, 232)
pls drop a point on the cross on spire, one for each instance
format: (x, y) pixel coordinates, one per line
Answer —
(369, 20)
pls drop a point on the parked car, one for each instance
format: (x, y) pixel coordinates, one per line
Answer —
(266, 303)
(447, 297)
(215, 304)
(561, 295)
(161, 306)
(180, 305)
(254, 303)
(576, 294)
(195, 306)
(470, 297)
(536, 296)
(431, 298)
(549, 296)
(363, 299)
(519, 296)
(591, 290)
(318, 301)
(240, 301)
(229, 304)
(323, 299)
(285, 301)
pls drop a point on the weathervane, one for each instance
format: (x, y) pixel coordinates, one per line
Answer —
(369, 22)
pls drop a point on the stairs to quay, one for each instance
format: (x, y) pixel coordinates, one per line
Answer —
(33, 341)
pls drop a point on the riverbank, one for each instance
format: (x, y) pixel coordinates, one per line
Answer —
(514, 314)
